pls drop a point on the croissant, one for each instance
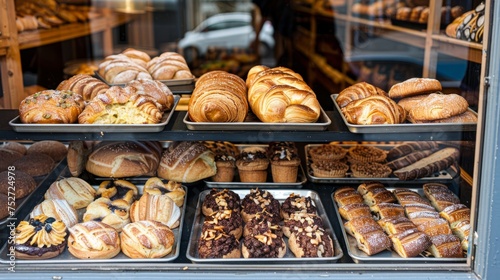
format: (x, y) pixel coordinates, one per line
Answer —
(375, 109)
(357, 91)
(153, 207)
(121, 106)
(168, 66)
(187, 162)
(218, 97)
(156, 90)
(120, 69)
(278, 95)
(85, 85)
(52, 107)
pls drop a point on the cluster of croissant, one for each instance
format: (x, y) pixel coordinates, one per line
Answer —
(36, 14)
(132, 64)
(115, 219)
(88, 100)
(418, 100)
(274, 95)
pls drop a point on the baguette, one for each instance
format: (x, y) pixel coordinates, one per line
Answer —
(437, 161)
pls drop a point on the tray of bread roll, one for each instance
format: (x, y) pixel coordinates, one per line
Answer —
(281, 165)
(416, 113)
(113, 222)
(420, 223)
(18, 126)
(399, 162)
(270, 228)
(253, 123)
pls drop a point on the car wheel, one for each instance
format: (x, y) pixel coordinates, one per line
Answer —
(190, 54)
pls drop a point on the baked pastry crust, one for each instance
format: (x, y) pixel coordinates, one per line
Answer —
(146, 239)
(358, 91)
(172, 189)
(326, 152)
(59, 209)
(93, 240)
(374, 109)
(111, 212)
(414, 86)
(363, 153)
(51, 107)
(438, 106)
(85, 85)
(75, 190)
(160, 208)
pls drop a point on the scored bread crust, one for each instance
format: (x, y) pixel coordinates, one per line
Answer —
(438, 106)
(414, 86)
(93, 240)
(146, 239)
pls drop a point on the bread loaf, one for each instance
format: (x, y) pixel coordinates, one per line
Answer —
(414, 86)
(218, 96)
(152, 207)
(124, 159)
(85, 85)
(438, 106)
(169, 66)
(146, 239)
(279, 95)
(76, 191)
(121, 106)
(374, 109)
(187, 162)
(427, 166)
(60, 209)
(139, 57)
(357, 91)
(51, 107)
(120, 69)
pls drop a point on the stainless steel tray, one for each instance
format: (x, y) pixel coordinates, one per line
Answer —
(66, 258)
(18, 126)
(441, 176)
(322, 124)
(281, 195)
(174, 82)
(387, 256)
(404, 127)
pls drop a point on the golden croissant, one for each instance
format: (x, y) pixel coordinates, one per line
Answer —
(375, 109)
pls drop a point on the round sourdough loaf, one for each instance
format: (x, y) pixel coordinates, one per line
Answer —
(55, 149)
(24, 183)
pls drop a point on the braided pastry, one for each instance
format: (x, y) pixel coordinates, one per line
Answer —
(120, 69)
(146, 239)
(279, 95)
(375, 109)
(357, 91)
(52, 107)
(121, 106)
(85, 85)
(218, 97)
(169, 66)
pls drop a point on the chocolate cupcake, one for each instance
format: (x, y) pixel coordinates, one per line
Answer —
(252, 165)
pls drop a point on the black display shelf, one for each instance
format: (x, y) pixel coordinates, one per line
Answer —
(176, 130)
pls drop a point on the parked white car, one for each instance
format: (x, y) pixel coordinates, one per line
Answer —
(227, 30)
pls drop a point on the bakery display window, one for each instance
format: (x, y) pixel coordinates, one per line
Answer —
(297, 138)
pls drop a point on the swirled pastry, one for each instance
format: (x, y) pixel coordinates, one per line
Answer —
(114, 213)
(169, 66)
(93, 240)
(157, 90)
(121, 69)
(52, 107)
(375, 109)
(118, 190)
(278, 95)
(357, 91)
(218, 96)
(85, 85)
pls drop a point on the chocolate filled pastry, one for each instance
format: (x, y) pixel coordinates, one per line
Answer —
(297, 203)
(347, 195)
(301, 220)
(264, 242)
(93, 240)
(435, 227)
(111, 212)
(219, 200)
(172, 189)
(374, 193)
(410, 243)
(258, 201)
(117, 190)
(440, 195)
(455, 214)
(146, 239)
(311, 243)
(214, 243)
(229, 221)
(407, 196)
(396, 225)
(354, 210)
(40, 237)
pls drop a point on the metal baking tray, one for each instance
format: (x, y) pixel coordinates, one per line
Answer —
(18, 126)
(405, 127)
(281, 195)
(269, 184)
(441, 176)
(322, 123)
(387, 256)
(173, 82)
(66, 258)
